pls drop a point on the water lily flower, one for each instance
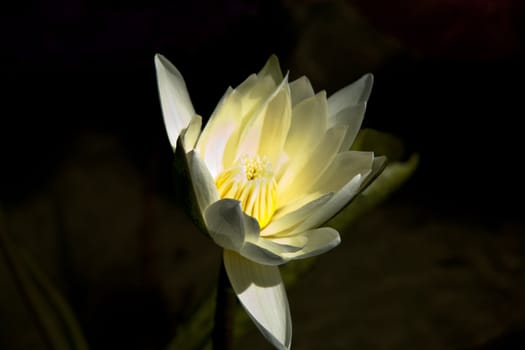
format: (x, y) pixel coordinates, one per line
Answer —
(270, 167)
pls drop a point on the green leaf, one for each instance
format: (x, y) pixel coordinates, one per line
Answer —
(196, 332)
(395, 174)
(52, 315)
(381, 143)
(392, 178)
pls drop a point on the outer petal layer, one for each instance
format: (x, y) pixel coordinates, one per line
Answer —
(228, 225)
(345, 166)
(333, 206)
(313, 242)
(174, 98)
(261, 292)
(292, 218)
(202, 182)
(347, 107)
(353, 94)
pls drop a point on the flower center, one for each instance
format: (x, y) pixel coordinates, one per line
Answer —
(251, 182)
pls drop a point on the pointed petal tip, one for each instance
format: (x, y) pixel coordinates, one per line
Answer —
(163, 63)
(175, 101)
(369, 77)
(287, 76)
(273, 58)
(159, 60)
(367, 82)
(301, 89)
(272, 67)
(351, 95)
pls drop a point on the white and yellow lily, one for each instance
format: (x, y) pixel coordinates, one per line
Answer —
(270, 167)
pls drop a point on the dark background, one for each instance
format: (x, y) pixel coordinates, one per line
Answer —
(84, 152)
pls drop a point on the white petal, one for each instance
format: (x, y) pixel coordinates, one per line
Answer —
(232, 229)
(332, 207)
(378, 166)
(174, 98)
(254, 91)
(222, 125)
(353, 118)
(260, 255)
(265, 133)
(309, 120)
(191, 133)
(202, 182)
(228, 225)
(301, 89)
(345, 166)
(301, 174)
(314, 242)
(247, 84)
(272, 68)
(277, 119)
(355, 93)
(296, 203)
(262, 294)
(289, 220)
(266, 252)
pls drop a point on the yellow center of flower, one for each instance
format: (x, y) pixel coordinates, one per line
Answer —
(251, 182)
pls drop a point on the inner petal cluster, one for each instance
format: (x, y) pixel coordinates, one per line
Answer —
(251, 181)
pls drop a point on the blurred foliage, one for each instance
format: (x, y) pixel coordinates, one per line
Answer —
(396, 173)
(196, 333)
(426, 53)
(51, 314)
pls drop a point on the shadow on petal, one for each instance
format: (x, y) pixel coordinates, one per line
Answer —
(261, 292)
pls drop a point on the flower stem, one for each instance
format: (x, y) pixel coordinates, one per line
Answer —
(222, 336)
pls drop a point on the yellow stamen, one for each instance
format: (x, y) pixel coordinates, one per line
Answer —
(251, 182)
